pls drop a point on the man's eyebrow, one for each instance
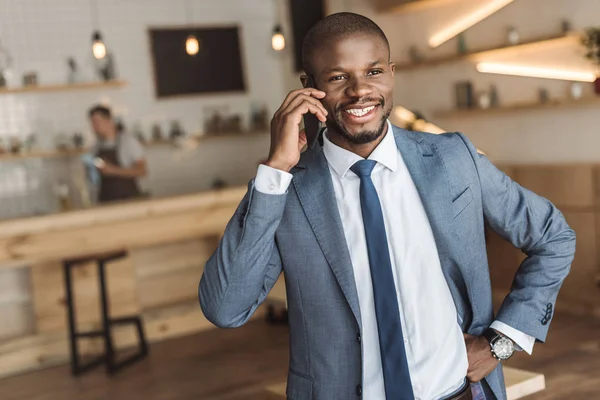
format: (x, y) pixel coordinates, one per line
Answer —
(340, 69)
(333, 69)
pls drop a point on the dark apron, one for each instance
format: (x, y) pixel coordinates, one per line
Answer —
(114, 188)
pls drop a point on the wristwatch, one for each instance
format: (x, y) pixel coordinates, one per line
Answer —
(501, 346)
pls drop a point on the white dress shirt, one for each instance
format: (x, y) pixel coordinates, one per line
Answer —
(434, 342)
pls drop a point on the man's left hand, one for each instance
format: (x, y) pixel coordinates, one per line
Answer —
(481, 360)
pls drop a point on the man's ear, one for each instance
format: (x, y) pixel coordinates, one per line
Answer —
(304, 80)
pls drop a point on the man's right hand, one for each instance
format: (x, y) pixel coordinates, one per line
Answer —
(286, 138)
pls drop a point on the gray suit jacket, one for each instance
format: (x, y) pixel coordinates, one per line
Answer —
(301, 233)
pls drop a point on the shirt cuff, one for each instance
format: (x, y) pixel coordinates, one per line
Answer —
(522, 340)
(271, 180)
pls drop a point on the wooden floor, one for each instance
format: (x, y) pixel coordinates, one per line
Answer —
(237, 364)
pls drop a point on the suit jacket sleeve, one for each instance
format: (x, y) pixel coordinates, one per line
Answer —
(241, 272)
(534, 225)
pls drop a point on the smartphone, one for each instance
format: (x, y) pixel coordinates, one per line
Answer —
(312, 125)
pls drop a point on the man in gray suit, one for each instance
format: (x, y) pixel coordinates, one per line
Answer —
(380, 234)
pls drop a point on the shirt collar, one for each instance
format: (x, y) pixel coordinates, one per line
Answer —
(386, 153)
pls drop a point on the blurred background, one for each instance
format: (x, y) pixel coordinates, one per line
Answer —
(194, 84)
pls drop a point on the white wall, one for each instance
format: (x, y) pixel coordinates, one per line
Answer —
(560, 135)
(41, 34)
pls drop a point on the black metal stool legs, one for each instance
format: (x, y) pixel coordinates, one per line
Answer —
(109, 356)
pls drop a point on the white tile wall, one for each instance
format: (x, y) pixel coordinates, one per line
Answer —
(41, 34)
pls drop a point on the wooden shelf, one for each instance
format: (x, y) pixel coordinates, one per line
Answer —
(78, 152)
(42, 154)
(517, 107)
(63, 87)
(404, 7)
(532, 44)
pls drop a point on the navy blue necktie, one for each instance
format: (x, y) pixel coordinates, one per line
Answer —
(391, 341)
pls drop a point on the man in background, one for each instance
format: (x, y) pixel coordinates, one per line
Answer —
(119, 158)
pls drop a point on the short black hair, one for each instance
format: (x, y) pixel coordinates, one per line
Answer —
(334, 26)
(102, 110)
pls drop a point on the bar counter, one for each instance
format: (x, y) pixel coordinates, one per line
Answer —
(168, 242)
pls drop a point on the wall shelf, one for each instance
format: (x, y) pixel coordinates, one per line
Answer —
(77, 152)
(41, 154)
(404, 7)
(532, 44)
(519, 107)
(63, 87)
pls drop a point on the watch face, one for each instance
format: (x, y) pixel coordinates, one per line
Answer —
(504, 348)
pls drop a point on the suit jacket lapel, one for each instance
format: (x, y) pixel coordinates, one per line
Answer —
(316, 194)
(430, 177)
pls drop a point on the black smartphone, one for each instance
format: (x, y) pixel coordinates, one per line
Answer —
(312, 125)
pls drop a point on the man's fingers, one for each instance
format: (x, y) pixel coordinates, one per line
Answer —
(303, 99)
(306, 107)
(295, 93)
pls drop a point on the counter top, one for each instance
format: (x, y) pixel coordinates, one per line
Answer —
(118, 226)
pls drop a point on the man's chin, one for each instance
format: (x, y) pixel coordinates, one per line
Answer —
(362, 137)
(363, 134)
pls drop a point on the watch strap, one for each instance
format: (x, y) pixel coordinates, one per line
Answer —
(491, 335)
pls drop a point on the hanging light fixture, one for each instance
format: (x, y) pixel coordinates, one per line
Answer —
(278, 40)
(98, 47)
(192, 46)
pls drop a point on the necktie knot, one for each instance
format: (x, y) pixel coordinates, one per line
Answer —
(363, 168)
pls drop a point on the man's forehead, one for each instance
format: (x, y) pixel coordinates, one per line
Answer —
(351, 47)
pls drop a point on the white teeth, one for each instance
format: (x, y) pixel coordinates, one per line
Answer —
(359, 112)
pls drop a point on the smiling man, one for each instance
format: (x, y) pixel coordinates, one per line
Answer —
(380, 235)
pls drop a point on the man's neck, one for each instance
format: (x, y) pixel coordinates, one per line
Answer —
(363, 150)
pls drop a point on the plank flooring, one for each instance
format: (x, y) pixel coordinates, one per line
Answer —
(238, 363)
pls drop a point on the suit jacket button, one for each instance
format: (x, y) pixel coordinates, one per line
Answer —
(358, 337)
(358, 390)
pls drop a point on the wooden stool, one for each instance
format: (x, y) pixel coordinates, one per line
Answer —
(109, 356)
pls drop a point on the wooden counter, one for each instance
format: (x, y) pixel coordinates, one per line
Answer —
(169, 241)
(105, 228)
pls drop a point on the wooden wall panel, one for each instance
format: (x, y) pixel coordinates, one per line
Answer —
(169, 274)
(565, 186)
(16, 312)
(575, 190)
(170, 288)
(580, 292)
(503, 260)
(49, 294)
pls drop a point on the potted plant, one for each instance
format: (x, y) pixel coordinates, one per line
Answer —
(591, 41)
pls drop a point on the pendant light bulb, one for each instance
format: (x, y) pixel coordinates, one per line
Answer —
(192, 46)
(98, 47)
(278, 40)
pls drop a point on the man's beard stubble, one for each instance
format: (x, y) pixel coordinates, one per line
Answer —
(362, 137)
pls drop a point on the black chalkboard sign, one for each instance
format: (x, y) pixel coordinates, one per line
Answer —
(217, 67)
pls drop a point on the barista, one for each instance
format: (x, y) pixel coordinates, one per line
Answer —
(119, 158)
